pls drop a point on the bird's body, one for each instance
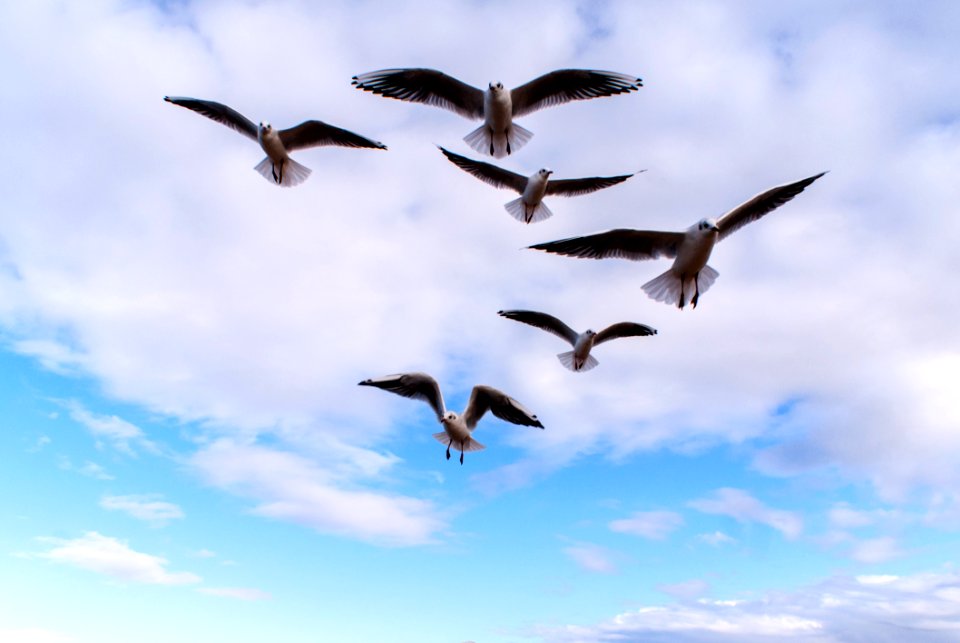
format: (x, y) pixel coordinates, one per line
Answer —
(278, 167)
(497, 106)
(579, 359)
(457, 429)
(530, 208)
(690, 250)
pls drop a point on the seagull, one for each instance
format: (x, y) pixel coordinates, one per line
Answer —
(497, 106)
(579, 359)
(689, 250)
(529, 208)
(457, 429)
(277, 167)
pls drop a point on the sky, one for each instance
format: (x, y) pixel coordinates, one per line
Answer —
(187, 455)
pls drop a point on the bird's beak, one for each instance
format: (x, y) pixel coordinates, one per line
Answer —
(715, 228)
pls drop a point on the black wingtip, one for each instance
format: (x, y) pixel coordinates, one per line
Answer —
(365, 383)
(168, 99)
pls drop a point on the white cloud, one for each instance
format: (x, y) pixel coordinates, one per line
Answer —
(743, 507)
(89, 469)
(922, 608)
(591, 558)
(114, 558)
(655, 525)
(143, 507)
(291, 487)
(238, 593)
(876, 550)
(716, 539)
(115, 430)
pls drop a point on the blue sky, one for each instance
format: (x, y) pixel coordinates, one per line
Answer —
(187, 455)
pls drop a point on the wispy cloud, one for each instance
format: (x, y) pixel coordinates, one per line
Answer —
(148, 508)
(89, 469)
(743, 507)
(716, 539)
(114, 558)
(119, 433)
(655, 525)
(591, 558)
(291, 487)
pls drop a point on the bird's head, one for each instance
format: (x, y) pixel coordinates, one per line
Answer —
(589, 333)
(707, 226)
(449, 416)
(265, 127)
(496, 87)
(545, 172)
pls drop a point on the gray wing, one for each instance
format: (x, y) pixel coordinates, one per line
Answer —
(218, 112)
(623, 329)
(635, 245)
(565, 85)
(491, 174)
(760, 205)
(418, 386)
(500, 404)
(427, 86)
(543, 321)
(312, 133)
(576, 187)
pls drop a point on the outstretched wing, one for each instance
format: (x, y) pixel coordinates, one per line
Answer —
(543, 321)
(565, 85)
(635, 245)
(218, 112)
(312, 133)
(491, 174)
(623, 329)
(418, 386)
(500, 404)
(427, 86)
(576, 187)
(761, 204)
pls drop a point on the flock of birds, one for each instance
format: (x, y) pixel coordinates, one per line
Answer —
(687, 278)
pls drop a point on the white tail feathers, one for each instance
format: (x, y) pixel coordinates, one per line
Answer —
(525, 214)
(667, 287)
(498, 145)
(466, 446)
(567, 359)
(289, 172)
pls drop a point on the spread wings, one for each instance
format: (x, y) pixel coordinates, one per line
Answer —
(761, 204)
(576, 187)
(565, 85)
(427, 86)
(484, 398)
(635, 245)
(312, 133)
(218, 112)
(623, 329)
(490, 174)
(543, 321)
(418, 386)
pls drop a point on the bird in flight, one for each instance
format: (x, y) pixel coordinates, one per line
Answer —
(529, 208)
(579, 359)
(457, 429)
(497, 106)
(690, 250)
(277, 167)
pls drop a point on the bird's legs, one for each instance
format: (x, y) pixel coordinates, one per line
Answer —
(461, 458)
(278, 178)
(448, 448)
(696, 290)
(681, 303)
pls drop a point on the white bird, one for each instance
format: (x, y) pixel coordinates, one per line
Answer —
(457, 429)
(277, 167)
(529, 208)
(690, 250)
(497, 106)
(579, 359)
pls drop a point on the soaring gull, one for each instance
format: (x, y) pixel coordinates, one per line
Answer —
(277, 167)
(497, 106)
(529, 208)
(579, 359)
(457, 429)
(689, 250)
